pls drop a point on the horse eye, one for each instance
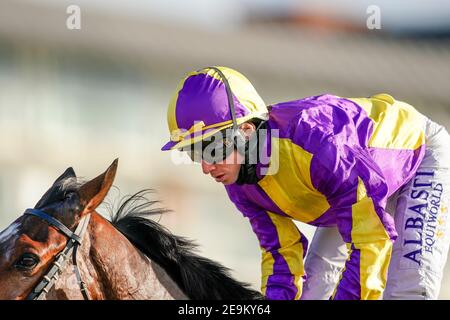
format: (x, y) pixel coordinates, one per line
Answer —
(27, 262)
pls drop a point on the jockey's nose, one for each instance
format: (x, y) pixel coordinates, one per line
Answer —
(207, 167)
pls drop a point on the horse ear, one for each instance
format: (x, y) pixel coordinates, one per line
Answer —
(93, 192)
(69, 173)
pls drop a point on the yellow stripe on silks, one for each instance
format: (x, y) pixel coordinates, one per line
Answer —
(397, 125)
(290, 187)
(267, 262)
(298, 280)
(373, 268)
(371, 238)
(291, 247)
(366, 225)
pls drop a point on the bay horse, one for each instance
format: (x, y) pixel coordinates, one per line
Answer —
(63, 249)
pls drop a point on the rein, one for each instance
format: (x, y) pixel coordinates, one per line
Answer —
(75, 239)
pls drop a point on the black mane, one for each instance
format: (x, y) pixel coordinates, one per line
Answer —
(198, 277)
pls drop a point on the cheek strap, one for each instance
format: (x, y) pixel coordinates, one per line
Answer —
(74, 241)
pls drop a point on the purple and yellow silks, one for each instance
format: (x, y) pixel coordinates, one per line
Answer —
(338, 161)
(334, 162)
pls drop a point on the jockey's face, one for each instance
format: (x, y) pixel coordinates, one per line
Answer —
(225, 172)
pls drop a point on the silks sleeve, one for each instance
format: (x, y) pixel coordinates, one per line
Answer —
(283, 248)
(357, 193)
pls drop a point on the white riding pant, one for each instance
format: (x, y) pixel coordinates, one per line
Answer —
(420, 210)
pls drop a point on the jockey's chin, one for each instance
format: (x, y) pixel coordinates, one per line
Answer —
(225, 172)
(227, 179)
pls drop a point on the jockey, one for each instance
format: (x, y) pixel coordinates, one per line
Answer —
(331, 162)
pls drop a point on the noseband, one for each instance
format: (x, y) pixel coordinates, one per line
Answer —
(70, 250)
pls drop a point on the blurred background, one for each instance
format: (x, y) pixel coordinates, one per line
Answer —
(83, 97)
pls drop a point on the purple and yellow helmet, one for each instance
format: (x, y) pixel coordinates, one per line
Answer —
(200, 106)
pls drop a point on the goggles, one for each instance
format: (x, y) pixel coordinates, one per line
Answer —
(213, 150)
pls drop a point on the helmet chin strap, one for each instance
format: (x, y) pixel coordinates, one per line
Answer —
(247, 171)
(247, 174)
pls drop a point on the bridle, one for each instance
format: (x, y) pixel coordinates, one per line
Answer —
(41, 290)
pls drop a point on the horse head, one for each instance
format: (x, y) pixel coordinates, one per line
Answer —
(30, 244)
(129, 257)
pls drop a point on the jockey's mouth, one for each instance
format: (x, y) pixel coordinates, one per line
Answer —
(219, 177)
